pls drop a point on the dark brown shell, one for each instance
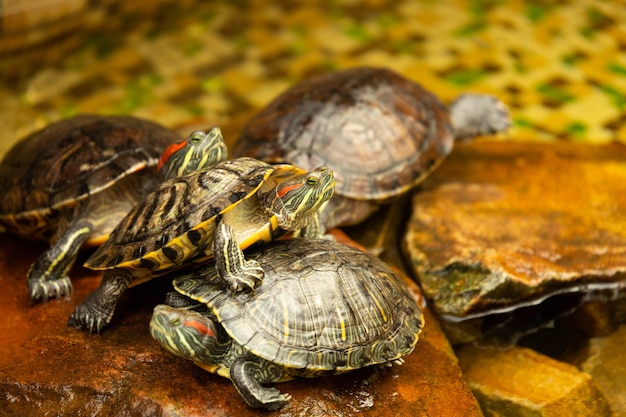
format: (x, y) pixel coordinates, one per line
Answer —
(72, 159)
(379, 132)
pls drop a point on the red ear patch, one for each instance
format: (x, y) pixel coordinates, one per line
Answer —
(169, 151)
(284, 190)
(200, 327)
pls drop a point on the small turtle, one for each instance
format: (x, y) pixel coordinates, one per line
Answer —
(323, 308)
(175, 225)
(379, 132)
(71, 183)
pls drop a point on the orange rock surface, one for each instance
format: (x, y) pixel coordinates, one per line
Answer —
(48, 368)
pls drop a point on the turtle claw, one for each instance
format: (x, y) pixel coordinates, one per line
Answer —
(250, 276)
(87, 317)
(43, 290)
(274, 399)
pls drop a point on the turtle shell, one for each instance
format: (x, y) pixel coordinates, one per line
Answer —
(68, 161)
(323, 307)
(176, 220)
(379, 132)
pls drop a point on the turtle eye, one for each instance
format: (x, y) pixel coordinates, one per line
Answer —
(175, 321)
(196, 137)
(312, 180)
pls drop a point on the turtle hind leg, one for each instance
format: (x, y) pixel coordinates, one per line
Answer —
(232, 266)
(248, 373)
(97, 310)
(47, 276)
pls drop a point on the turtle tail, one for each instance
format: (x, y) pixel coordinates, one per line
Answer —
(478, 114)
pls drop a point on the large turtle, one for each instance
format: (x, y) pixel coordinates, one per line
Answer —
(175, 225)
(379, 132)
(323, 308)
(71, 183)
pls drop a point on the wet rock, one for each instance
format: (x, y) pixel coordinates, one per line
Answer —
(603, 359)
(503, 225)
(48, 368)
(521, 382)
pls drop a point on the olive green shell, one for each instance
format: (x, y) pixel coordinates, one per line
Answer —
(380, 133)
(322, 308)
(174, 222)
(68, 161)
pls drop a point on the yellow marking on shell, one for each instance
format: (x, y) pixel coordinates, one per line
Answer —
(250, 223)
(182, 242)
(96, 241)
(215, 369)
(343, 330)
(380, 308)
(285, 322)
(264, 233)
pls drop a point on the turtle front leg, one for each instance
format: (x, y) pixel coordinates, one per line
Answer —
(248, 373)
(97, 310)
(232, 266)
(314, 228)
(47, 276)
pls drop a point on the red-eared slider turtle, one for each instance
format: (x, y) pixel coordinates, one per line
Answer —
(380, 133)
(175, 225)
(323, 308)
(201, 149)
(71, 183)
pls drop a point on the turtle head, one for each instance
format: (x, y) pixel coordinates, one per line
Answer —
(188, 334)
(295, 200)
(201, 149)
(478, 114)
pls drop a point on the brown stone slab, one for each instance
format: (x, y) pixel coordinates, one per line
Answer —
(521, 382)
(48, 368)
(506, 224)
(603, 359)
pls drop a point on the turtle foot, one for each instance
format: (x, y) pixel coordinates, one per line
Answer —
(272, 399)
(249, 277)
(90, 317)
(43, 290)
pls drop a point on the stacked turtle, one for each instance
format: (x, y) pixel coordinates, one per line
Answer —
(321, 307)
(71, 183)
(174, 225)
(302, 307)
(87, 178)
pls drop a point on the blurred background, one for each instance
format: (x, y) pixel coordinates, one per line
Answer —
(561, 66)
